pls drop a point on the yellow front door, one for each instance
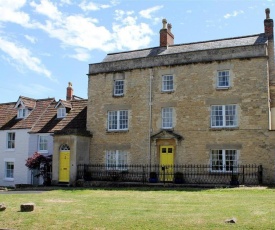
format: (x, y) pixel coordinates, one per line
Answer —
(166, 163)
(64, 166)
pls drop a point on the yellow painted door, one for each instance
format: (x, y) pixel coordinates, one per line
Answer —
(166, 163)
(64, 166)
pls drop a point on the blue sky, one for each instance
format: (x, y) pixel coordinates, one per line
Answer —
(44, 44)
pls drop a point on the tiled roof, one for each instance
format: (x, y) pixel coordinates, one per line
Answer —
(66, 104)
(188, 47)
(43, 117)
(74, 122)
(28, 102)
(8, 114)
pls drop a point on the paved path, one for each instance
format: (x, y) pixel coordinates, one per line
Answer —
(21, 192)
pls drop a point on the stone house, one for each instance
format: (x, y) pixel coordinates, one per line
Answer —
(210, 102)
(65, 121)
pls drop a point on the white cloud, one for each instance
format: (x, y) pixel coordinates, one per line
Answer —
(78, 31)
(31, 39)
(128, 33)
(10, 12)
(68, 2)
(82, 33)
(33, 90)
(91, 6)
(147, 13)
(234, 14)
(47, 8)
(81, 55)
(23, 57)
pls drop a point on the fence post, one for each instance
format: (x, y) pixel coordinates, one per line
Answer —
(243, 175)
(143, 174)
(260, 174)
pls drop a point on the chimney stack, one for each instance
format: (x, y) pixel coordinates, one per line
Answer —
(166, 36)
(70, 92)
(268, 25)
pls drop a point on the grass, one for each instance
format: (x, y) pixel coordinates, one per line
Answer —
(254, 208)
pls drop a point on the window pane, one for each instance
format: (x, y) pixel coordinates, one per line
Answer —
(9, 169)
(216, 116)
(116, 160)
(223, 78)
(111, 159)
(217, 160)
(11, 141)
(112, 120)
(167, 117)
(230, 115)
(123, 119)
(61, 112)
(167, 83)
(43, 143)
(231, 160)
(223, 116)
(121, 159)
(118, 120)
(119, 87)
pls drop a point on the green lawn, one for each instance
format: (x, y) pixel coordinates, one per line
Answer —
(254, 208)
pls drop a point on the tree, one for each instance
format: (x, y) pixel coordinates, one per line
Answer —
(43, 164)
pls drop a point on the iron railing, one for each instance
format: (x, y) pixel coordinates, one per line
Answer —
(190, 174)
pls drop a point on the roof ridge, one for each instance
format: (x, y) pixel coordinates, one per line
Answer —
(29, 98)
(8, 103)
(45, 99)
(214, 40)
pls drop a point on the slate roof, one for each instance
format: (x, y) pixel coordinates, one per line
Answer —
(188, 47)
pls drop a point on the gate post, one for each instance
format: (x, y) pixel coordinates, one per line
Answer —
(260, 174)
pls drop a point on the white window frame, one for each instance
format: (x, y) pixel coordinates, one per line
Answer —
(116, 159)
(61, 112)
(119, 87)
(167, 83)
(223, 79)
(118, 120)
(22, 113)
(10, 141)
(167, 118)
(224, 160)
(224, 116)
(43, 144)
(9, 172)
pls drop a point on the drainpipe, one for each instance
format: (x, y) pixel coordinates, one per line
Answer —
(150, 116)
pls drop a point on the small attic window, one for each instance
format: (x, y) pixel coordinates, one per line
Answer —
(22, 113)
(61, 112)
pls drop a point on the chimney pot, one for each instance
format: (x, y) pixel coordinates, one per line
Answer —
(267, 12)
(70, 91)
(164, 22)
(268, 25)
(166, 36)
(169, 26)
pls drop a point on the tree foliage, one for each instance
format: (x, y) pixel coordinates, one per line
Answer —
(42, 163)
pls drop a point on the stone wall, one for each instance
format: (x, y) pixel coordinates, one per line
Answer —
(194, 92)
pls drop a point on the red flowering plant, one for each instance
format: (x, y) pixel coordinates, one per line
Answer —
(43, 164)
